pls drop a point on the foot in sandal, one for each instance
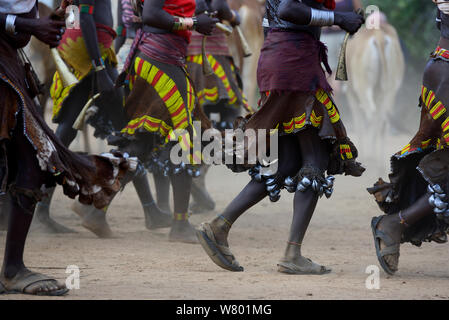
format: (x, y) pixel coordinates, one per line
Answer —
(294, 263)
(387, 238)
(213, 239)
(28, 282)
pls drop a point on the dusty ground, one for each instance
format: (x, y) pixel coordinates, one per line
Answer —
(140, 264)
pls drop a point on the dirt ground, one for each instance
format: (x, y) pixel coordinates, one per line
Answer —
(141, 264)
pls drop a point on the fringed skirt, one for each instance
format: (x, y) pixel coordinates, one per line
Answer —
(94, 179)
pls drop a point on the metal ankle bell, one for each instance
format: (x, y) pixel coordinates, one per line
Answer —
(440, 204)
(290, 184)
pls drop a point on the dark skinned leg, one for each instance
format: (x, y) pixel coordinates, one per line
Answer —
(203, 202)
(314, 153)
(162, 184)
(254, 192)
(66, 134)
(4, 210)
(392, 226)
(202, 199)
(181, 230)
(154, 217)
(28, 176)
(95, 219)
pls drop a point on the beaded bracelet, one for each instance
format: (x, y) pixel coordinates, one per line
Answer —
(181, 23)
(86, 8)
(98, 65)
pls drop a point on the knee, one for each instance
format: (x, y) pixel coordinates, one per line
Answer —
(25, 198)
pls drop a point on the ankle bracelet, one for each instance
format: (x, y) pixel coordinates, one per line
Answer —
(181, 216)
(294, 243)
(225, 220)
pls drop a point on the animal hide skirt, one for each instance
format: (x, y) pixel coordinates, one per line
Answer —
(94, 179)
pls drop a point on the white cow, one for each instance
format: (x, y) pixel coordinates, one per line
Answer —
(376, 68)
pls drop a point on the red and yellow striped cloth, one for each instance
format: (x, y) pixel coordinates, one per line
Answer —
(211, 94)
(439, 117)
(180, 111)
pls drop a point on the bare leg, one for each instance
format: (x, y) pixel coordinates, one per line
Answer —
(154, 217)
(181, 230)
(254, 192)
(314, 154)
(42, 216)
(213, 236)
(394, 225)
(162, 184)
(15, 277)
(93, 219)
(4, 212)
(202, 200)
(66, 134)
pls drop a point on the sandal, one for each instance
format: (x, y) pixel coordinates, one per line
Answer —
(219, 254)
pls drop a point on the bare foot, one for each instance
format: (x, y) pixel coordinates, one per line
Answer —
(182, 231)
(95, 221)
(42, 222)
(80, 209)
(155, 218)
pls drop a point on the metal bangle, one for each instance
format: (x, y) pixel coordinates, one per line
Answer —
(195, 22)
(10, 26)
(321, 18)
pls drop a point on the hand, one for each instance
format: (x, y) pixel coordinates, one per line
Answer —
(48, 30)
(349, 21)
(104, 82)
(205, 24)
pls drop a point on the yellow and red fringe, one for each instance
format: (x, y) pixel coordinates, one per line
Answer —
(211, 94)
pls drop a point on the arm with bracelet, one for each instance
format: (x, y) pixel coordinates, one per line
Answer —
(154, 15)
(19, 28)
(89, 31)
(296, 12)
